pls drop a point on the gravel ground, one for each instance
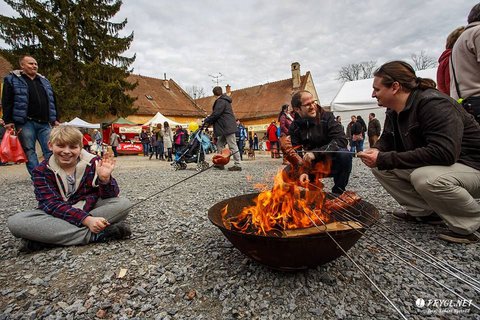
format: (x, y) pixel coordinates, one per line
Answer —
(180, 266)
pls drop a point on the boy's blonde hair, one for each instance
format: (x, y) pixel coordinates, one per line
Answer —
(66, 135)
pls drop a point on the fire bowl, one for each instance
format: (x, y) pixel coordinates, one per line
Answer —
(291, 253)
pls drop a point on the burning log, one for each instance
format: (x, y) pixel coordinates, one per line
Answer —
(329, 227)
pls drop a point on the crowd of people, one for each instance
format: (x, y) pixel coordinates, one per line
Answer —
(427, 156)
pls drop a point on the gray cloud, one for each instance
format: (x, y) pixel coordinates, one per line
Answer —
(253, 42)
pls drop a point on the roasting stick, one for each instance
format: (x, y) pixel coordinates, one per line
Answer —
(435, 261)
(358, 267)
(167, 188)
(418, 269)
(405, 261)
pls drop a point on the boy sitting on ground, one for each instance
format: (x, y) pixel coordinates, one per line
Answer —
(77, 197)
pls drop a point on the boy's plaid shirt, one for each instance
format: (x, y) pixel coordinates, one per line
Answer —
(50, 200)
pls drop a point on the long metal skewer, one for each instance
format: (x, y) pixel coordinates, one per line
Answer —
(440, 263)
(167, 188)
(356, 265)
(401, 258)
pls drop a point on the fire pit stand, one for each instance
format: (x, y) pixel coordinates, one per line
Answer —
(290, 253)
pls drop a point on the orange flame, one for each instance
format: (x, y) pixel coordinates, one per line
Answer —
(285, 206)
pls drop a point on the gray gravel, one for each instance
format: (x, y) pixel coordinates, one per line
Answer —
(179, 265)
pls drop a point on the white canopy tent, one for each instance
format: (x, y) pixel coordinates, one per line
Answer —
(355, 98)
(160, 118)
(77, 122)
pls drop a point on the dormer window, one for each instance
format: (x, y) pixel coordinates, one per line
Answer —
(149, 97)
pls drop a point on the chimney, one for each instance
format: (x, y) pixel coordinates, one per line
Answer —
(295, 75)
(228, 88)
(165, 81)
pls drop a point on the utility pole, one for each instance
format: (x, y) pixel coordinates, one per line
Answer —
(216, 78)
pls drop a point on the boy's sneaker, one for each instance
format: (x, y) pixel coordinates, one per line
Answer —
(453, 237)
(28, 246)
(235, 168)
(116, 231)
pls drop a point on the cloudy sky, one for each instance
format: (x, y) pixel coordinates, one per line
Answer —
(251, 42)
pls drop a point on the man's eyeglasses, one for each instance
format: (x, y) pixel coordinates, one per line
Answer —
(313, 103)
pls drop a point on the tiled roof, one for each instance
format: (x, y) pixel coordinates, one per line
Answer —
(154, 97)
(260, 101)
(5, 67)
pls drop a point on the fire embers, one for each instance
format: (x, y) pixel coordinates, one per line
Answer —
(287, 206)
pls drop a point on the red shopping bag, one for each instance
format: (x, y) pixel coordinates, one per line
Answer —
(10, 149)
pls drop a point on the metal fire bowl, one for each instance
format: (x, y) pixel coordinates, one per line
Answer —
(290, 253)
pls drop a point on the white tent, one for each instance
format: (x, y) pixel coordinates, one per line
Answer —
(355, 98)
(77, 122)
(160, 118)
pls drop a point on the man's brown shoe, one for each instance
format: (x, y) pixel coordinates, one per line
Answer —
(453, 237)
(432, 219)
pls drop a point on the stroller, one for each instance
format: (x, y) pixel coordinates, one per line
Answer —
(193, 152)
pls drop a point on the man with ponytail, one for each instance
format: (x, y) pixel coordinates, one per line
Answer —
(427, 157)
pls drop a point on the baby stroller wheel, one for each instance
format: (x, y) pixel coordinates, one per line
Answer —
(205, 165)
(176, 166)
(183, 166)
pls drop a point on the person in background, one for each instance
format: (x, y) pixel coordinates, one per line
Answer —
(240, 137)
(180, 139)
(224, 126)
(353, 119)
(87, 141)
(427, 157)
(443, 70)
(374, 129)
(2, 133)
(114, 142)
(285, 118)
(255, 141)
(77, 197)
(29, 106)
(361, 142)
(339, 120)
(168, 140)
(322, 141)
(465, 65)
(145, 140)
(272, 137)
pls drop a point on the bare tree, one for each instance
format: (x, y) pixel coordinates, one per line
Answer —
(196, 92)
(357, 71)
(423, 61)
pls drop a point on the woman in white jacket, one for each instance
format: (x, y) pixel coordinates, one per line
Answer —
(168, 140)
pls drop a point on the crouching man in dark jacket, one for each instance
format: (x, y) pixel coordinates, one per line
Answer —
(322, 141)
(428, 156)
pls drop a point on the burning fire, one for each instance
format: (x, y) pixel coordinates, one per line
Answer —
(286, 206)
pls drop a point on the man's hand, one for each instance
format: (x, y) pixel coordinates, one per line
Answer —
(10, 126)
(308, 157)
(369, 157)
(105, 168)
(303, 179)
(95, 224)
(56, 123)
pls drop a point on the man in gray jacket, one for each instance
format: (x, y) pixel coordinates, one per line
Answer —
(224, 126)
(465, 65)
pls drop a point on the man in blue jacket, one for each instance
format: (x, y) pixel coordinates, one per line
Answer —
(28, 103)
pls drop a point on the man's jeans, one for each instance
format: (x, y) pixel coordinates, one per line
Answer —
(31, 131)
